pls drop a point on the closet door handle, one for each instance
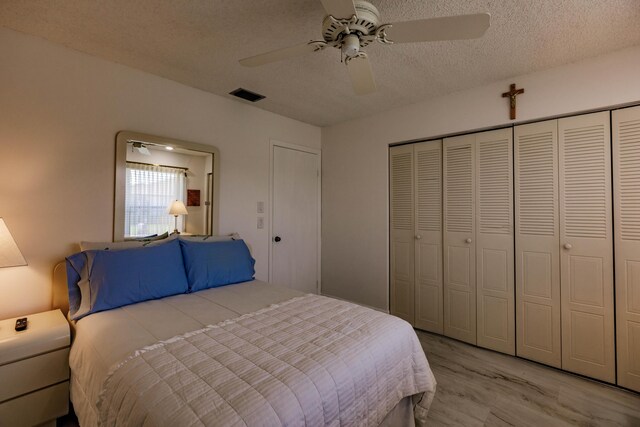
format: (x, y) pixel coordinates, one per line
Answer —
(468, 240)
(418, 237)
(567, 246)
(277, 239)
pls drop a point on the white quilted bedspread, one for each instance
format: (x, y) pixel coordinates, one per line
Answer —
(311, 360)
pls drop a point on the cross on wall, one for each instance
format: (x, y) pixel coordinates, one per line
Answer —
(513, 92)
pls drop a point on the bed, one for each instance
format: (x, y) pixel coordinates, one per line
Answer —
(249, 353)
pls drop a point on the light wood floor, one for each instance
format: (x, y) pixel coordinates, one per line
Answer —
(478, 387)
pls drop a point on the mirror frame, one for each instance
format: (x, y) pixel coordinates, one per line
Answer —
(122, 138)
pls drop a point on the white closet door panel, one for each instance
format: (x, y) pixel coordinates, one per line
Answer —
(459, 234)
(428, 237)
(626, 176)
(586, 260)
(402, 232)
(494, 241)
(537, 237)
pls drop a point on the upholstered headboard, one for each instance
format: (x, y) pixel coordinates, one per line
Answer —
(60, 293)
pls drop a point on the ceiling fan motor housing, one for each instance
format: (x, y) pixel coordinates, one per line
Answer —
(366, 21)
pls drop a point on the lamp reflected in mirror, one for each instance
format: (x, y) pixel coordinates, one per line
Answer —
(176, 209)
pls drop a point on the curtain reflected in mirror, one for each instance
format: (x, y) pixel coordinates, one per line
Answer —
(150, 190)
(154, 172)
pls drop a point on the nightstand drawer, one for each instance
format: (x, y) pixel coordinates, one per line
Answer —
(33, 373)
(37, 407)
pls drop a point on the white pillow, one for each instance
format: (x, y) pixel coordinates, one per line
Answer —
(148, 238)
(128, 244)
(232, 236)
(103, 246)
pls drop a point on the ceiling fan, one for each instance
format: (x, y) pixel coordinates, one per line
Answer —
(351, 25)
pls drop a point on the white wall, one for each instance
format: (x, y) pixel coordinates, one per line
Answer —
(59, 113)
(355, 155)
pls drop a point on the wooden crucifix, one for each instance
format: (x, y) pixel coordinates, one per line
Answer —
(513, 92)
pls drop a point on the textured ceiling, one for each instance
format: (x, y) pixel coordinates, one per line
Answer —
(199, 43)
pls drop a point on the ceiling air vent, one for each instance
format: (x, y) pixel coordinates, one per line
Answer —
(247, 94)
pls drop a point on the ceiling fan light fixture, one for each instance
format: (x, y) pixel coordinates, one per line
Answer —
(140, 148)
(350, 45)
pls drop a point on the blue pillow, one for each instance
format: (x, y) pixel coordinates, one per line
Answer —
(118, 278)
(213, 264)
(76, 270)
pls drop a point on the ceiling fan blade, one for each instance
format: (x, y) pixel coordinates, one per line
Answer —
(361, 75)
(339, 8)
(280, 54)
(438, 29)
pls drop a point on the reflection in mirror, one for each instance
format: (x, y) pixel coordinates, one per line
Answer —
(163, 185)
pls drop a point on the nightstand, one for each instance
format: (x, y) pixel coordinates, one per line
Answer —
(34, 370)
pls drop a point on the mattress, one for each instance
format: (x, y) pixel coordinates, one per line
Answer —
(104, 340)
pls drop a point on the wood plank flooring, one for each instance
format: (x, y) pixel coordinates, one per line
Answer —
(478, 387)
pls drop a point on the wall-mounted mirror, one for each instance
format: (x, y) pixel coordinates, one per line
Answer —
(153, 172)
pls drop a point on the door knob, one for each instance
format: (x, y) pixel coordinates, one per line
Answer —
(567, 246)
(418, 237)
(277, 239)
(468, 240)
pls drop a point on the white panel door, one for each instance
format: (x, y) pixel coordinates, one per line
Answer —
(459, 247)
(494, 240)
(626, 184)
(295, 219)
(537, 243)
(586, 260)
(428, 246)
(402, 235)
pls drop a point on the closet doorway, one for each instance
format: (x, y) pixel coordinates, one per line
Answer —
(294, 252)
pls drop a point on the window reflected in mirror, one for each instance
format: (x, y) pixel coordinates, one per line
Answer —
(163, 186)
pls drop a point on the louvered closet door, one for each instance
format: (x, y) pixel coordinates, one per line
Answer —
(459, 247)
(586, 253)
(626, 184)
(428, 247)
(537, 243)
(494, 241)
(402, 232)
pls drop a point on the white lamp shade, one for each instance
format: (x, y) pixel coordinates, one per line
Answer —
(10, 255)
(178, 208)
